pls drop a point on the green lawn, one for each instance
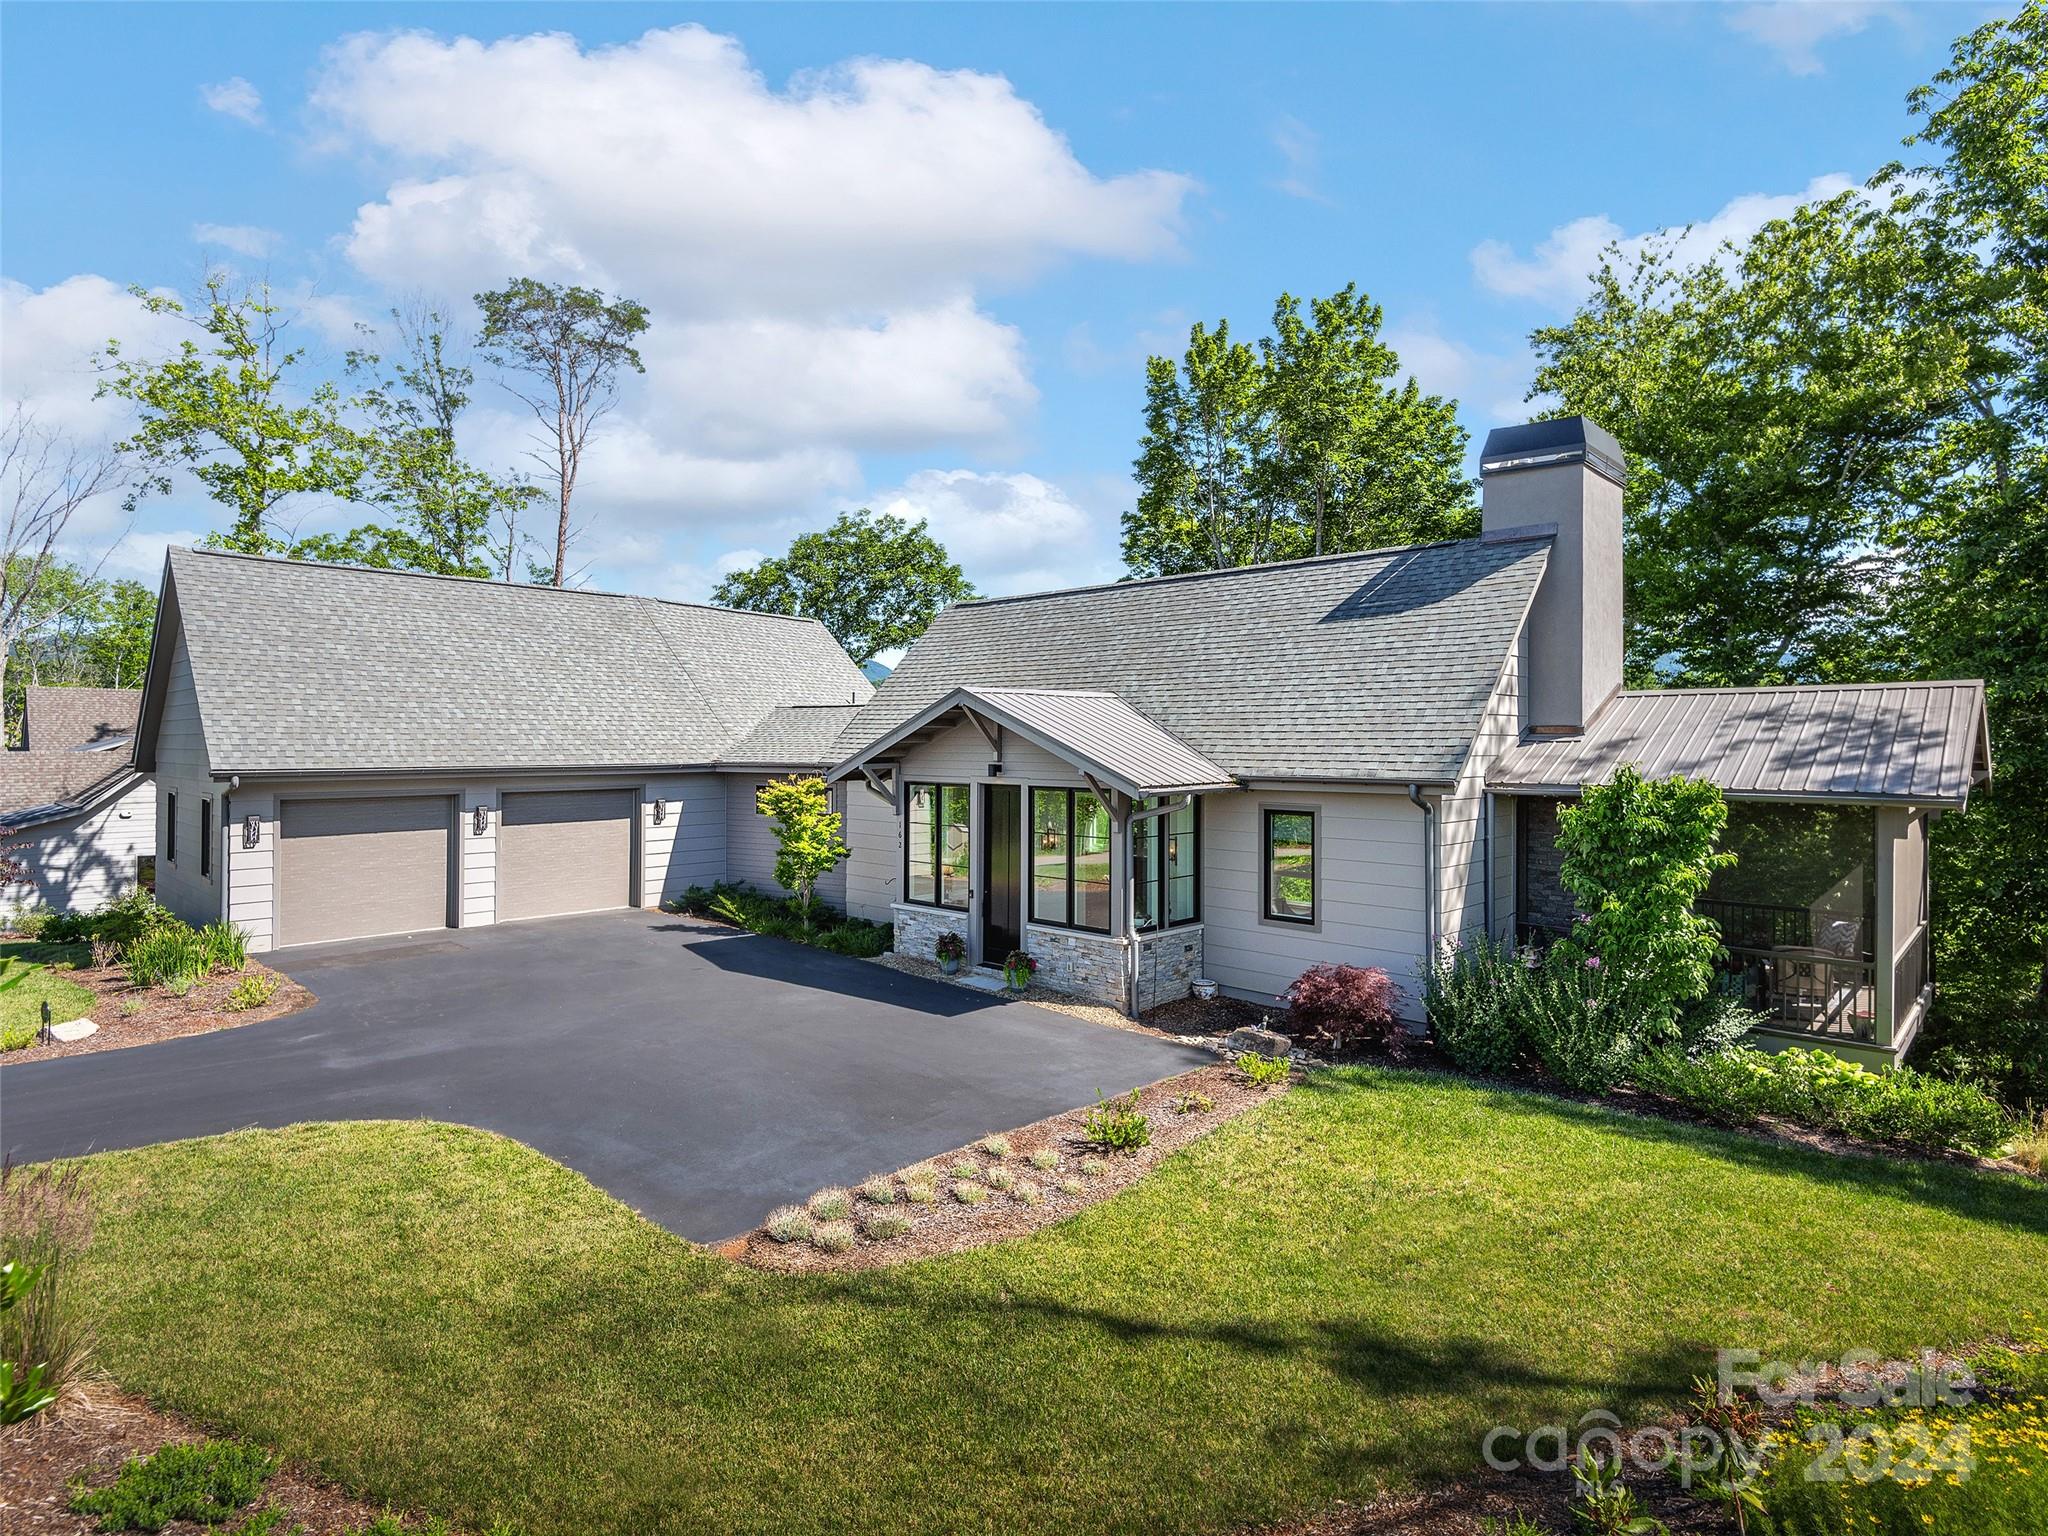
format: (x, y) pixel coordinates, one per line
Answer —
(1345, 1288)
(27, 982)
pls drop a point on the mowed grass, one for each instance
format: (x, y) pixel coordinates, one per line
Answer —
(27, 982)
(1342, 1290)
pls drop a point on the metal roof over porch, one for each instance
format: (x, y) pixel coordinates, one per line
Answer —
(1906, 743)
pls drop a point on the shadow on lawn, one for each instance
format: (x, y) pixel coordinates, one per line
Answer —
(2007, 1199)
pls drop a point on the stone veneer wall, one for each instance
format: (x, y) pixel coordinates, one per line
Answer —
(1545, 901)
(918, 928)
(1091, 965)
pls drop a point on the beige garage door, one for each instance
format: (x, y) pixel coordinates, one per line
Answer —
(349, 869)
(565, 852)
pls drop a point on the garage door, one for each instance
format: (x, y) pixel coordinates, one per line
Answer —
(565, 852)
(348, 869)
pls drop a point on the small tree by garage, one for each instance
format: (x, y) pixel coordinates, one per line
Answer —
(807, 836)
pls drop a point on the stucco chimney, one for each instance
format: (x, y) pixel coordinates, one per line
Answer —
(1563, 478)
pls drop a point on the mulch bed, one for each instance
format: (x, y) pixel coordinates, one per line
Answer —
(89, 1435)
(130, 1015)
(951, 1227)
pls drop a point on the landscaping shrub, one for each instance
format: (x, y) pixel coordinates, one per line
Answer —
(1578, 1021)
(1115, 1124)
(1263, 1071)
(832, 1236)
(831, 1205)
(206, 1481)
(164, 956)
(1193, 1102)
(1895, 1105)
(808, 845)
(1716, 1023)
(789, 1224)
(777, 917)
(1637, 853)
(1474, 995)
(882, 1226)
(124, 920)
(45, 1225)
(252, 992)
(1336, 1003)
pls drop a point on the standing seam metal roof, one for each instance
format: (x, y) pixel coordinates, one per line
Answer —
(1922, 743)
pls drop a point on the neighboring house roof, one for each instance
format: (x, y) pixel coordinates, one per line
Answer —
(305, 668)
(793, 734)
(1098, 733)
(59, 719)
(1917, 743)
(74, 758)
(1370, 667)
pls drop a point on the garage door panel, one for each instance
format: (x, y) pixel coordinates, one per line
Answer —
(356, 868)
(565, 851)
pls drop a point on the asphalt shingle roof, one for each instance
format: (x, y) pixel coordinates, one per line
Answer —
(310, 668)
(1372, 667)
(793, 734)
(57, 719)
(1916, 742)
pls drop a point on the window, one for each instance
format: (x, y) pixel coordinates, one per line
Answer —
(936, 862)
(1069, 859)
(171, 827)
(206, 839)
(1291, 866)
(1166, 863)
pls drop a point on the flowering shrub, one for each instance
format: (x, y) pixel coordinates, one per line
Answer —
(1812, 1088)
(1473, 993)
(1577, 1018)
(1340, 1002)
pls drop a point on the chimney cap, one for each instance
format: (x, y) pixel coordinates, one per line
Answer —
(1561, 440)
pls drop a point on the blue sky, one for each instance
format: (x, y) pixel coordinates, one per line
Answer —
(911, 257)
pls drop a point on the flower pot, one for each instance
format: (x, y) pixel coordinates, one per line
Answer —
(1018, 980)
(949, 965)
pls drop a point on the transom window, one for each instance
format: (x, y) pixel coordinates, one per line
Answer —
(937, 868)
(1166, 863)
(1069, 859)
(1291, 866)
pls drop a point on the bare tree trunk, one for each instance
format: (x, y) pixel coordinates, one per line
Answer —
(567, 483)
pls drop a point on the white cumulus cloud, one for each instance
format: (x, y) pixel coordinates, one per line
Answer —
(1009, 532)
(243, 239)
(1794, 30)
(236, 98)
(1558, 271)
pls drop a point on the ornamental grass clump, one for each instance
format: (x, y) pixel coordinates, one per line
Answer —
(790, 1224)
(831, 1205)
(1044, 1158)
(46, 1332)
(995, 1144)
(884, 1226)
(880, 1190)
(921, 1187)
(1115, 1125)
(968, 1192)
(1000, 1177)
(965, 1168)
(1028, 1193)
(1072, 1186)
(832, 1236)
(1094, 1167)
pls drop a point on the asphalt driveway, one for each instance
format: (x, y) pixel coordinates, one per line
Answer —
(700, 1075)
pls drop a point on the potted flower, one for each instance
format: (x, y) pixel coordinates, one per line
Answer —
(950, 950)
(1018, 969)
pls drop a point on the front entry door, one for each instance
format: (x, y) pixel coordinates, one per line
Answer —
(1002, 860)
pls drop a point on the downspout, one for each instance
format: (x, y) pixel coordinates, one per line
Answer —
(1429, 912)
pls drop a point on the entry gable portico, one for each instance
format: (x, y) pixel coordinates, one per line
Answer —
(1097, 734)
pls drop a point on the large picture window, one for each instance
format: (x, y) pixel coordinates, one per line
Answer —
(1291, 866)
(937, 868)
(1166, 864)
(1070, 880)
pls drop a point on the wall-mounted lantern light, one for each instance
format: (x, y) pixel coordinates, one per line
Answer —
(252, 831)
(480, 820)
(660, 812)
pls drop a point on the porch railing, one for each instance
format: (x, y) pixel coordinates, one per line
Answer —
(1909, 973)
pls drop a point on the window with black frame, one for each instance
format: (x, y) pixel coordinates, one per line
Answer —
(1070, 874)
(1291, 866)
(937, 862)
(1166, 865)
